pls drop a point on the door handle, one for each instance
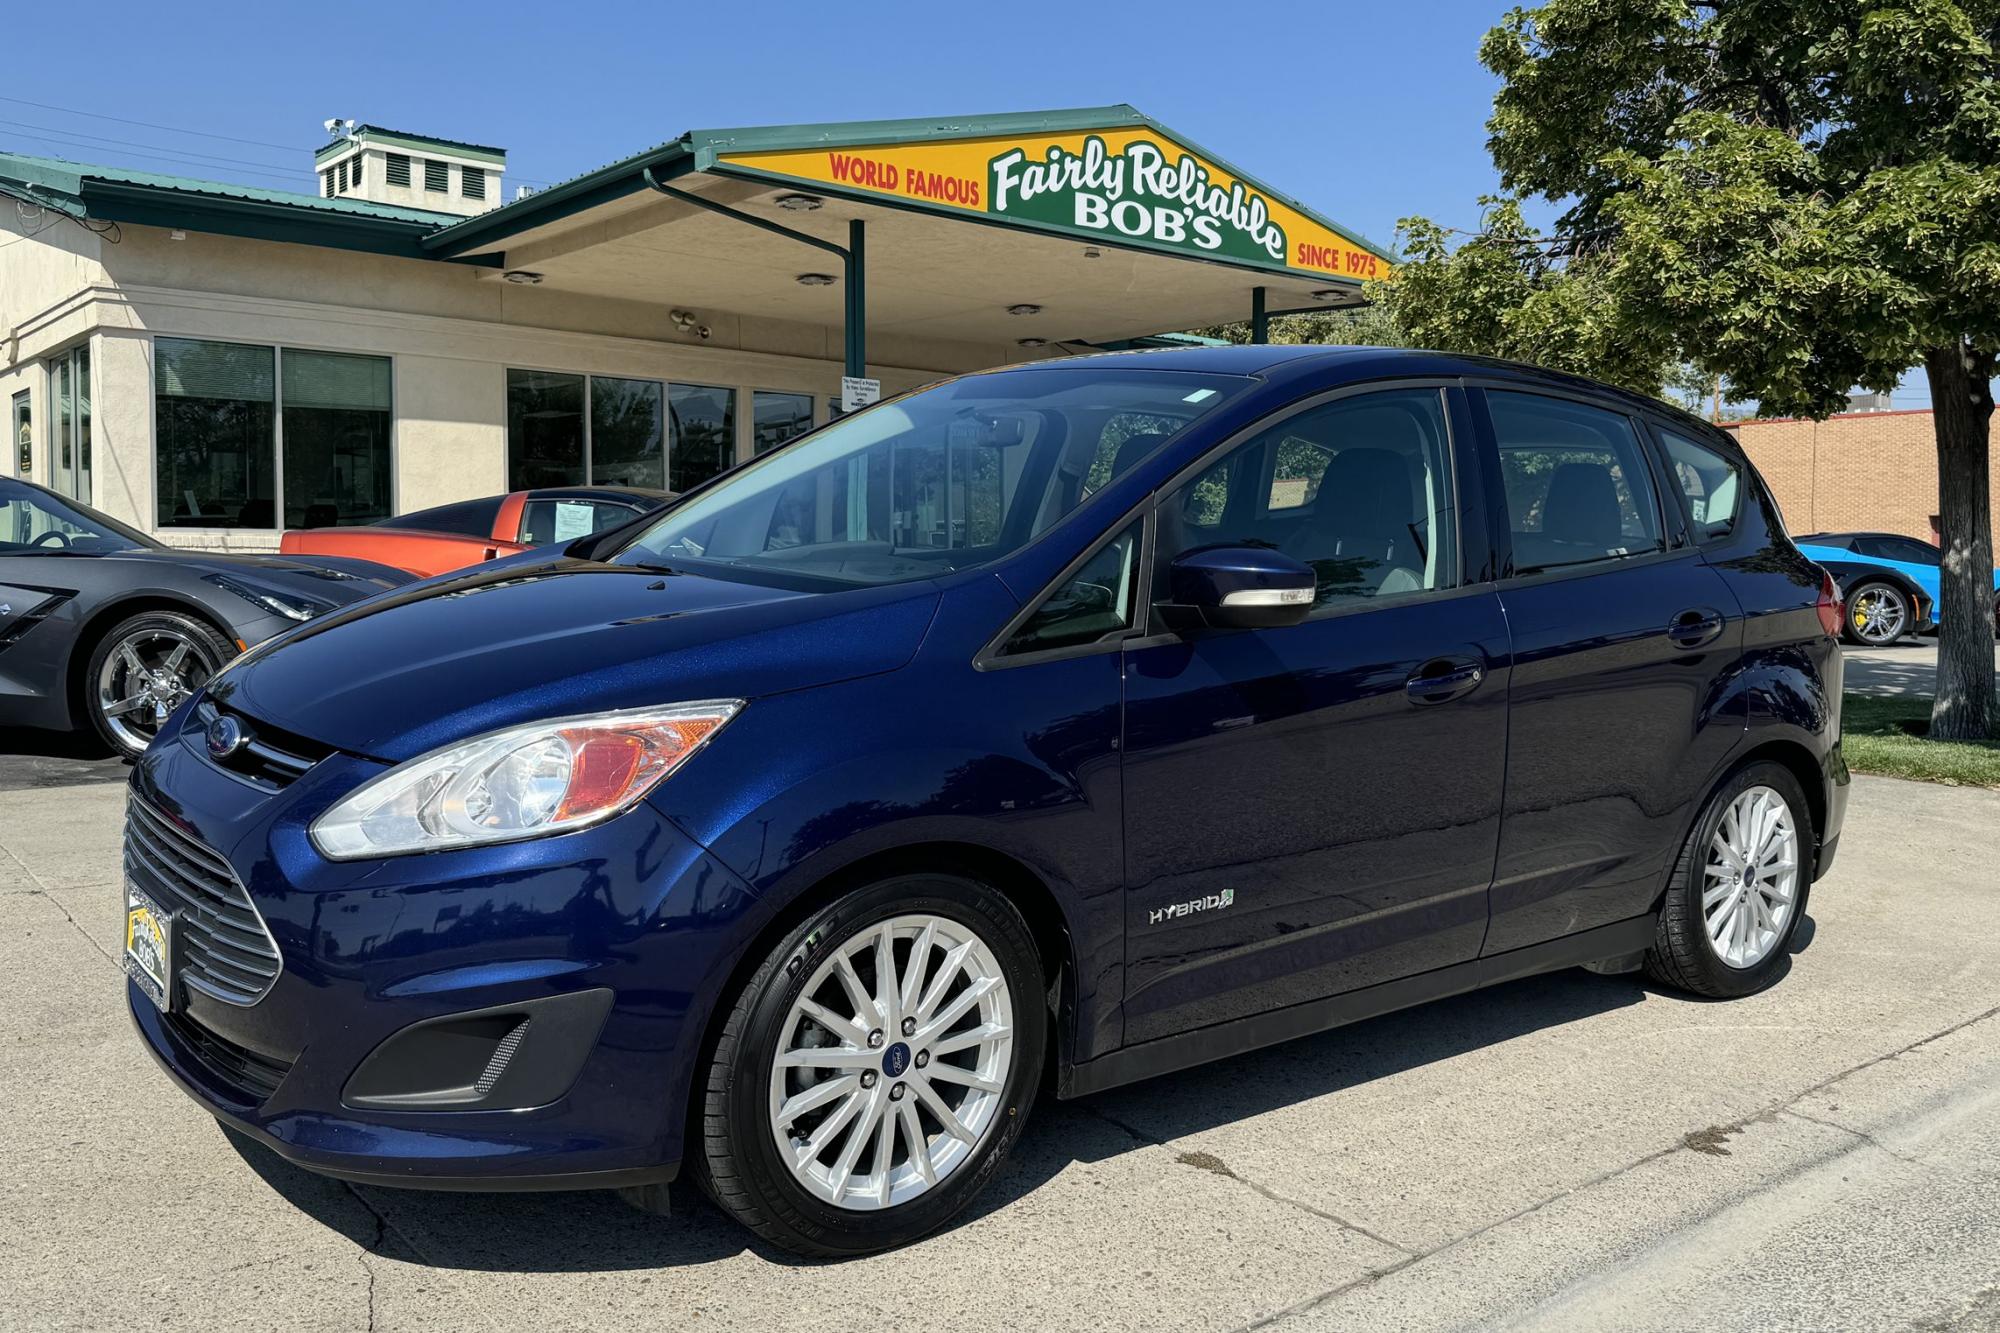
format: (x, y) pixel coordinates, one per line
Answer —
(1443, 679)
(1694, 628)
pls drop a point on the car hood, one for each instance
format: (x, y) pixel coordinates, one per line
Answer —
(334, 579)
(468, 653)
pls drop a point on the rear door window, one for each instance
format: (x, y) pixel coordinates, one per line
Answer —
(1711, 481)
(1577, 485)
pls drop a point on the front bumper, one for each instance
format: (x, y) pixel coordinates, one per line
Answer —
(631, 908)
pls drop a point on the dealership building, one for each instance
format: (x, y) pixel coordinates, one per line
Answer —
(213, 363)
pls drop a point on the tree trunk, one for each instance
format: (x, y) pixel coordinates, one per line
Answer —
(1961, 407)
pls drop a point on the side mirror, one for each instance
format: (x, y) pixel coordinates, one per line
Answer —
(1241, 587)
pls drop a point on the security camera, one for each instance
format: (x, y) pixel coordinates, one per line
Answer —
(702, 332)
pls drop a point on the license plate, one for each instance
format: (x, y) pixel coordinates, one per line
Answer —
(149, 946)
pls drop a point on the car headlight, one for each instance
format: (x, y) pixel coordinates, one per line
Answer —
(524, 782)
(289, 605)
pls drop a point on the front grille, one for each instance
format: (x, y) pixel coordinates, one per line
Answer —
(257, 1075)
(221, 945)
(270, 758)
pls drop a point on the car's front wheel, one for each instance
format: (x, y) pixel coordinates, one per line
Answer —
(876, 1068)
(1878, 614)
(141, 671)
(1739, 888)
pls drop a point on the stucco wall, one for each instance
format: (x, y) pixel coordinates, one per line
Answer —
(451, 331)
(1862, 471)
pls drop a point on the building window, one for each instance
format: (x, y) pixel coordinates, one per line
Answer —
(472, 182)
(437, 177)
(335, 427)
(544, 429)
(215, 419)
(704, 433)
(24, 436)
(777, 417)
(69, 389)
(398, 169)
(627, 438)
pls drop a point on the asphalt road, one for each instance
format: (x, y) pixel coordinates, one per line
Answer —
(1570, 1151)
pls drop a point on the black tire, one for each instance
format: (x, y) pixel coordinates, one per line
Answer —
(737, 1161)
(1852, 633)
(208, 651)
(1681, 955)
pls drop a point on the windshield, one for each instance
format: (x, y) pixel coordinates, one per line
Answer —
(35, 520)
(943, 479)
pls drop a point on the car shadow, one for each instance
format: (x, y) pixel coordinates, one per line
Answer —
(31, 758)
(574, 1232)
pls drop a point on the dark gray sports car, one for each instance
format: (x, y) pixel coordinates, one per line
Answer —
(105, 628)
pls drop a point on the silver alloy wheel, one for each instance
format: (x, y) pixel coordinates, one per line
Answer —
(892, 1063)
(147, 675)
(1752, 878)
(1878, 614)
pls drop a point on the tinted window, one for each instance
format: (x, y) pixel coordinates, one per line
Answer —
(473, 518)
(1712, 483)
(545, 521)
(1898, 548)
(337, 458)
(1576, 482)
(628, 433)
(215, 429)
(777, 417)
(1359, 489)
(1091, 604)
(544, 429)
(704, 442)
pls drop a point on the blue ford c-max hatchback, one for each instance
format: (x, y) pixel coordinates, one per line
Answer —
(1092, 719)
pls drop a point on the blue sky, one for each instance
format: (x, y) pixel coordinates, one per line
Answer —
(1366, 112)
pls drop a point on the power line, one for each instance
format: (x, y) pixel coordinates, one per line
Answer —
(61, 142)
(150, 125)
(184, 155)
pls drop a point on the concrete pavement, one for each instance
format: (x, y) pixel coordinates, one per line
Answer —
(1909, 667)
(1570, 1151)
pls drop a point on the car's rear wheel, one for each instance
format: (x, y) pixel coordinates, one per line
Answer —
(1878, 614)
(876, 1068)
(141, 671)
(1739, 888)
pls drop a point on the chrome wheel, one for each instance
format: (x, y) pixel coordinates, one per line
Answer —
(892, 1063)
(1878, 614)
(147, 675)
(1752, 879)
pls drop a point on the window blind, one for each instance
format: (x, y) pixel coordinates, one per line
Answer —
(332, 379)
(186, 368)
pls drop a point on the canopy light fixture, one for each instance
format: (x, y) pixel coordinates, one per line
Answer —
(524, 277)
(815, 279)
(800, 203)
(1031, 342)
(1330, 294)
(1024, 309)
(1092, 252)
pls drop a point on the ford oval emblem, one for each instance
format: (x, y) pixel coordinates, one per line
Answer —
(225, 737)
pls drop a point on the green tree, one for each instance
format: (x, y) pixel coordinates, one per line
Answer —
(1798, 195)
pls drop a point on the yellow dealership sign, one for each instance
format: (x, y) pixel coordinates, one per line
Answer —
(1131, 184)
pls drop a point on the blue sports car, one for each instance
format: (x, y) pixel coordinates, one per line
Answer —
(1889, 582)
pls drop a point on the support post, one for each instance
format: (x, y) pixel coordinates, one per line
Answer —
(1260, 322)
(856, 316)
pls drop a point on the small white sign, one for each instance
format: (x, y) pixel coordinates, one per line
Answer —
(573, 520)
(857, 393)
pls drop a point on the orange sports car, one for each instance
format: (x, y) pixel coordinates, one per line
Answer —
(435, 541)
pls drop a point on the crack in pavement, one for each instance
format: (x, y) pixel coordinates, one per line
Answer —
(1768, 1113)
(1216, 1166)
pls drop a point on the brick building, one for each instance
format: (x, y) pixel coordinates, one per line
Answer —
(1859, 471)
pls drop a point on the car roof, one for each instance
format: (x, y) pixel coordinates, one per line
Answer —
(597, 493)
(1334, 365)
